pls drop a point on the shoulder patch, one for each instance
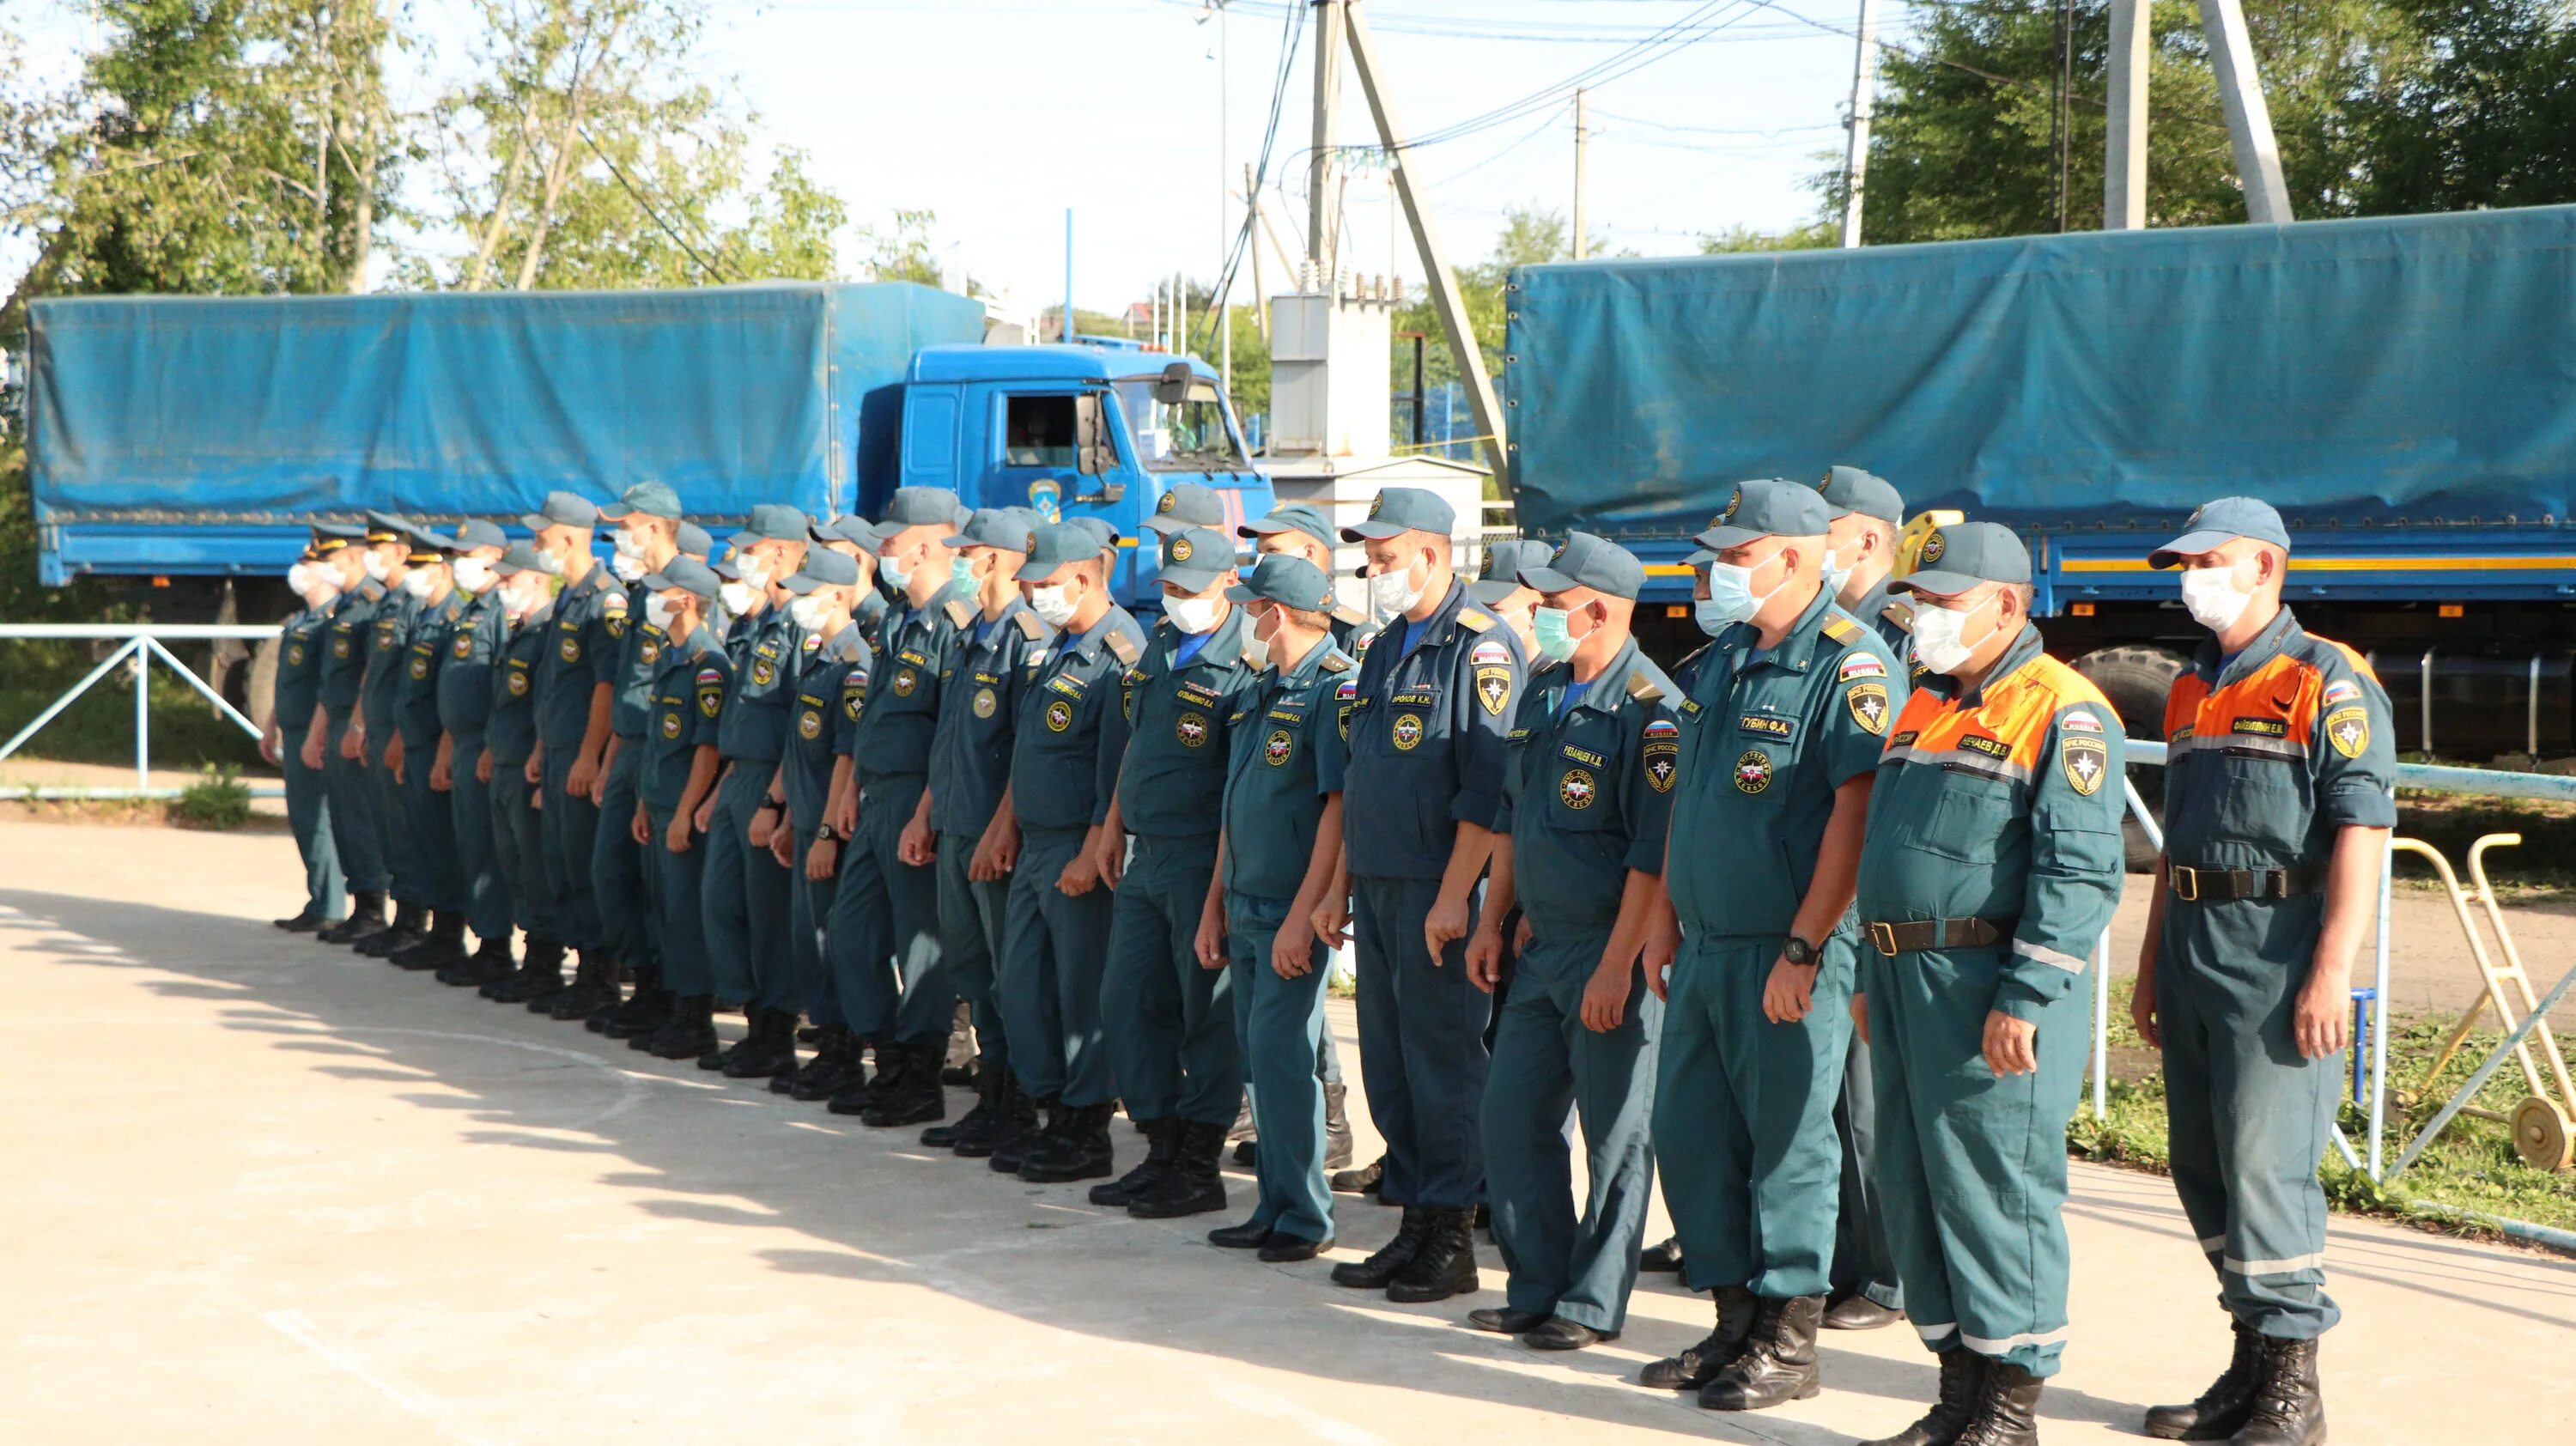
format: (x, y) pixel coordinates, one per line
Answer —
(1344, 613)
(2080, 720)
(1643, 688)
(613, 603)
(1124, 649)
(1900, 613)
(959, 613)
(1477, 621)
(710, 675)
(1662, 728)
(1840, 629)
(1031, 626)
(1861, 665)
(1336, 663)
(1490, 653)
(2342, 690)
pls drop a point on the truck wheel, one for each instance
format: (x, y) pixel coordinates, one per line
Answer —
(259, 702)
(2137, 680)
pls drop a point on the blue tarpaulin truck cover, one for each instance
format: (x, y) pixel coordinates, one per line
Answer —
(2413, 370)
(203, 411)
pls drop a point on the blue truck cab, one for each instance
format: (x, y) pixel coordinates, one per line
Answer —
(1070, 431)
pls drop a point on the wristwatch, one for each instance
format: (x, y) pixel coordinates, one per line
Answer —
(1798, 951)
(825, 833)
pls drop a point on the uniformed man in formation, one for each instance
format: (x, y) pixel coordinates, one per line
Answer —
(1801, 926)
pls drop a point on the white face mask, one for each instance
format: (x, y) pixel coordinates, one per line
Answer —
(658, 611)
(299, 579)
(1256, 648)
(1731, 598)
(628, 569)
(1837, 572)
(1393, 593)
(811, 613)
(1940, 636)
(737, 597)
(475, 575)
(629, 545)
(2213, 599)
(1193, 615)
(419, 583)
(377, 564)
(1051, 605)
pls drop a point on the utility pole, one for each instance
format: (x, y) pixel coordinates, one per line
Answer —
(1443, 283)
(1864, 103)
(1224, 210)
(1579, 137)
(2124, 170)
(1260, 293)
(1321, 223)
(2249, 120)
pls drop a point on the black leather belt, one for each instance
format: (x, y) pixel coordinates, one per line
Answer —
(1892, 939)
(2226, 886)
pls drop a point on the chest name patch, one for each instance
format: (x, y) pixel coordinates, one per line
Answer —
(1980, 743)
(1584, 756)
(1768, 725)
(2260, 727)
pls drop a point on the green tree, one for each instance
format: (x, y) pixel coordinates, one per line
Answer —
(1735, 239)
(901, 251)
(2489, 117)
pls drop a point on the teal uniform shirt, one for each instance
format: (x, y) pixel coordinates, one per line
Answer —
(627, 669)
(388, 644)
(1588, 789)
(765, 650)
(831, 691)
(970, 758)
(1066, 701)
(344, 660)
(301, 646)
(1284, 758)
(465, 681)
(589, 620)
(1164, 751)
(688, 701)
(1765, 741)
(1426, 739)
(416, 696)
(1889, 613)
(510, 729)
(913, 649)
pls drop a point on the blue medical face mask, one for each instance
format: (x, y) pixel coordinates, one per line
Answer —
(1731, 598)
(1548, 629)
(961, 573)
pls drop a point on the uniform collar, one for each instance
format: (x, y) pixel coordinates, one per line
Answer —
(370, 589)
(1086, 644)
(2275, 636)
(599, 579)
(1608, 688)
(1435, 628)
(1308, 665)
(2026, 645)
(1222, 647)
(843, 646)
(700, 642)
(1797, 649)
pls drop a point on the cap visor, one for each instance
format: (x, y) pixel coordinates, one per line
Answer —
(1035, 571)
(800, 584)
(1264, 527)
(656, 582)
(1719, 539)
(1546, 579)
(1491, 593)
(1193, 579)
(537, 521)
(615, 512)
(1937, 582)
(1373, 531)
(1241, 593)
(2190, 544)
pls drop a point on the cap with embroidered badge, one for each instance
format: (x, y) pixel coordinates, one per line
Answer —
(771, 522)
(1956, 558)
(1766, 507)
(562, 509)
(1588, 561)
(475, 532)
(329, 537)
(992, 527)
(1288, 581)
(1051, 546)
(920, 507)
(520, 556)
(646, 499)
(823, 568)
(1501, 575)
(685, 574)
(1194, 557)
(1399, 510)
(386, 527)
(1849, 490)
(1187, 504)
(1291, 517)
(694, 541)
(1102, 532)
(2216, 524)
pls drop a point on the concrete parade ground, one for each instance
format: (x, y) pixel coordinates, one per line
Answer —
(263, 1190)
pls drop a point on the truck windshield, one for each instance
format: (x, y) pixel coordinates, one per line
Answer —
(1189, 436)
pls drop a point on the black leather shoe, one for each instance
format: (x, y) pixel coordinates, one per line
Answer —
(1008, 1155)
(488, 964)
(2289, 1408)
(308, 922)
(1662, 1258)
(1446, 1264)
(1080, 1151)
(1337, 1128)
(1369, 1179)
(1857, 1312)
(1963, 1384)
(1700, 1364)
(2222, 1409)
(1250, 1235)
(1505, 1321)
(2007, 1412)
(366, 916)
(690, 1032)
(1288, 1249)
(917, 1096)
(1779, 1360)
(1381, 1268)
(1245, 1153)
(1560, 1334)
(1195, 1182)
(647, 980)
(1162, 1142)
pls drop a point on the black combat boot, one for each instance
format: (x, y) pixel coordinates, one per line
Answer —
(1662, 1258)
(784, 1082)
(835, 1067)
(1446, 1264)
(770, 1048)
(1009, 1155)
(646, 976)
(1963, 1384)
(540, 973)
(404, 933)
(1380, 1269)
(1779, 1360)
(1081, 1151)
(1696, 1367)
(366, 917)
(1014, 1119)
(1162, 1143)
(1194, 1182)
(1368, 1179)
(2289, 1407)
(865, 1092)
(444, 946)
(2221, 1409)
(594, 987)
(647, 1010)
(689, 1033)
(488, 964)
(2007, 1412)
(918, 1096)
(308, 922)
(1337, 1128)
(988, 1094)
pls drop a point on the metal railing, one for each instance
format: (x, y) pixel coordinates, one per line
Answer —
(2377, 1016)
(137, 645)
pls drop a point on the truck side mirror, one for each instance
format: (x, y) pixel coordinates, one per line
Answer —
(1173, 387)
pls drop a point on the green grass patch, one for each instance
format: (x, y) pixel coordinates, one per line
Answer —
(98, 727)
(2471, 1166)
(217, 800)
(2543, 863)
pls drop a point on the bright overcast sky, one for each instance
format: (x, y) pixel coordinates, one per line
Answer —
(999, 114)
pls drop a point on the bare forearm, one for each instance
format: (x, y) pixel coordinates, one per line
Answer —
(1641, 903)
(702, 777)
(1326, 857)
(1502, 886)
(2352, 895)
(595, 734)
(1467, 859)
(1829, 893)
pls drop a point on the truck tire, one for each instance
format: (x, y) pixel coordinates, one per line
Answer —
(2137, 680)
(260, 693)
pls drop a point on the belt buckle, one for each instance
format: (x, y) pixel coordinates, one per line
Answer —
(2185, 883)
(1882, 937)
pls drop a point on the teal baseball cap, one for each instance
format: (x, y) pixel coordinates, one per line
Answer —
(772, 522)
(1187, 504)
(1098, 529)
(648, 499)
(1504, 561)
(562, 509)
(1051, 546)
(686, 574)
(520, 556)
(1194, 557)
(2221, 522)
(1002, 527)
(1766, 507)
(694, 541)
(921, 507)
(1847, 490)
(1289, 581)
(1956, 558)
(1399, 510)
(1588, 561)
(1291, 517)
(823, 568)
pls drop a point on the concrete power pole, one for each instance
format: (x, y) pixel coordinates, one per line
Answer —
(1321, 224)
(1580, 245)
(2124, 169)
(2240, 96)
(1864, 101)
(1443, 283)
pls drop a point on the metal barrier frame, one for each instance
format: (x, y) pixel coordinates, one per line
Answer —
(139, 644)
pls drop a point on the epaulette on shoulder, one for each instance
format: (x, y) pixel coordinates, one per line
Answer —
(1032, 627)
(1475, 620)
(1124, 649)
(959, 613)
(1841, 629)
(1644, 689)
(1335, 662)
(1345, 613)
(1899, 612)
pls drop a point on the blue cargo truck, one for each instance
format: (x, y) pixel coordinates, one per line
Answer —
(185, 444)
(2403, 390)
